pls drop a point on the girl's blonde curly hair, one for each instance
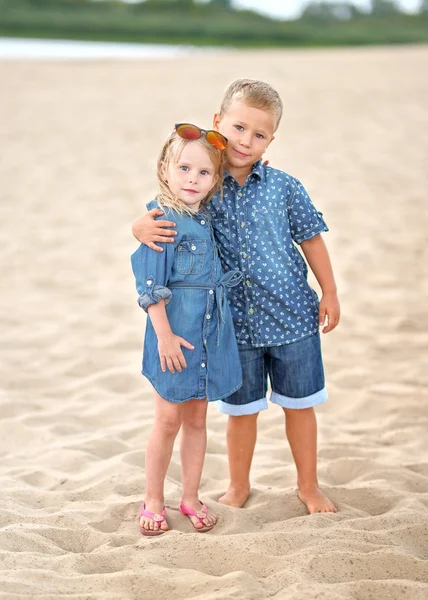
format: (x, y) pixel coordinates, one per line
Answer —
(171, 153)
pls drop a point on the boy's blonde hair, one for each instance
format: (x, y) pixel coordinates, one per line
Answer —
(256, 94)
(171, 152)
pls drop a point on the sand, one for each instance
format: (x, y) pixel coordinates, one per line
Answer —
(79, 142)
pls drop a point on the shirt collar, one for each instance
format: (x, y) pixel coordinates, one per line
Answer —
(257, 172)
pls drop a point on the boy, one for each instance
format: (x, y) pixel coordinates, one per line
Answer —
(263, 214)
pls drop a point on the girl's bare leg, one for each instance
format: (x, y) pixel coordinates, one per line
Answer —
(158, 456)
(192, 450)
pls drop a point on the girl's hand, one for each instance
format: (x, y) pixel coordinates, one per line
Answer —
(329, 311)
(147, 230)
(170, 353)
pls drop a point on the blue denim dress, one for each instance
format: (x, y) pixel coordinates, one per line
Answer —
(188, 275)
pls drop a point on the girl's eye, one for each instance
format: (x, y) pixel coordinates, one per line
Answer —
(239, 127)
(184, 168)
(204, 172)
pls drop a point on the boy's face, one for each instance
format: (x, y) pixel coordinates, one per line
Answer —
(249, 131)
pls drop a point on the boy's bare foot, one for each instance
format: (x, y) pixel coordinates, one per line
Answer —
(236, 497)
(316, 501)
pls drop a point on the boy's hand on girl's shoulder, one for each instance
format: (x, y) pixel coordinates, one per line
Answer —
(329, 314)
(170, 353)
(148, 231)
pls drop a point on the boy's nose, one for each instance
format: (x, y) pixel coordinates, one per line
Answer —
(245, 140)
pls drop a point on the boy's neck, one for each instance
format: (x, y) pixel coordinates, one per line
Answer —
(239, 173)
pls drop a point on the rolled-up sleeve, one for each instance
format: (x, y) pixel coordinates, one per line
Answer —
(152, 271)
(305, 220)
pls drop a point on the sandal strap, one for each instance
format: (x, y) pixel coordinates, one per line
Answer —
(157, 517)
(200, 514)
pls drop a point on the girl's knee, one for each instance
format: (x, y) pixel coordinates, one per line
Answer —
(195, 422)
(195, 415)
(169, 424)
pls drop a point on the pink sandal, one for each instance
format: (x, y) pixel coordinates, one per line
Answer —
(157, 518)
(200, 514)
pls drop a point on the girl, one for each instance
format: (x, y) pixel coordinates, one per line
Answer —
(190, 352)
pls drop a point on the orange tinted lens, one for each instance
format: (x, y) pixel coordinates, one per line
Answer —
(217, 140)
(188, 131)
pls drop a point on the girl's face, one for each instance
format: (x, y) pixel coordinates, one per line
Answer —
(192, 176)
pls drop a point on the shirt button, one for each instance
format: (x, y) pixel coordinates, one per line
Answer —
(242, 224)
(248, 282)
(203, 365)
(251, 311)
(239, 194)
(211, 292)
(244, 255)
(202, 222)
(193, 247)
(149, 282)
(208, 317)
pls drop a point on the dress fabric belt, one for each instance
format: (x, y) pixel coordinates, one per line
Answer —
(227, 280)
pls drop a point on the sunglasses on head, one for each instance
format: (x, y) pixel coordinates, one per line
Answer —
(187, 131)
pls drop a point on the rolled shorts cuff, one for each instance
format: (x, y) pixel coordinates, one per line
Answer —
(306, 402)
(237, 410)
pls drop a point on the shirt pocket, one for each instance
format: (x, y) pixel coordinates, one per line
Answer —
(266, 212)
(191, 256)
(268, 221)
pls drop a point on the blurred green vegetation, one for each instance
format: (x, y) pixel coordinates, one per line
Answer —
(214, 23)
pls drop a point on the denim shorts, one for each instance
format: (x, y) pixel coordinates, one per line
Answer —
(295, 372)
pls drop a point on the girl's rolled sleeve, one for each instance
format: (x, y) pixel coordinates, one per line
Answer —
(305, 220)
(152, 271)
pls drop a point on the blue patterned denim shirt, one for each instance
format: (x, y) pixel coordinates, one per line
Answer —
(257, 227)
(188, 275)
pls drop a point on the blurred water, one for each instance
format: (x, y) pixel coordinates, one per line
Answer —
(63, 49)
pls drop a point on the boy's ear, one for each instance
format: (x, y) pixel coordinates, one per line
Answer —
(216, 121)
(273, 137)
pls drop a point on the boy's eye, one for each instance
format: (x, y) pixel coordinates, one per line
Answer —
(260, 136)
(239, 127)
(184, 168)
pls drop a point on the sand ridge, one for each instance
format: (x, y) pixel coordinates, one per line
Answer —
(80, 142)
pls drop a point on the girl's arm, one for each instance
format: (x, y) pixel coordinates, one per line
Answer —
(152, 272)
(169, 344)
(316, 254)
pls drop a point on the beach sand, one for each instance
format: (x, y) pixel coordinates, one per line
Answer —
(79, 142)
